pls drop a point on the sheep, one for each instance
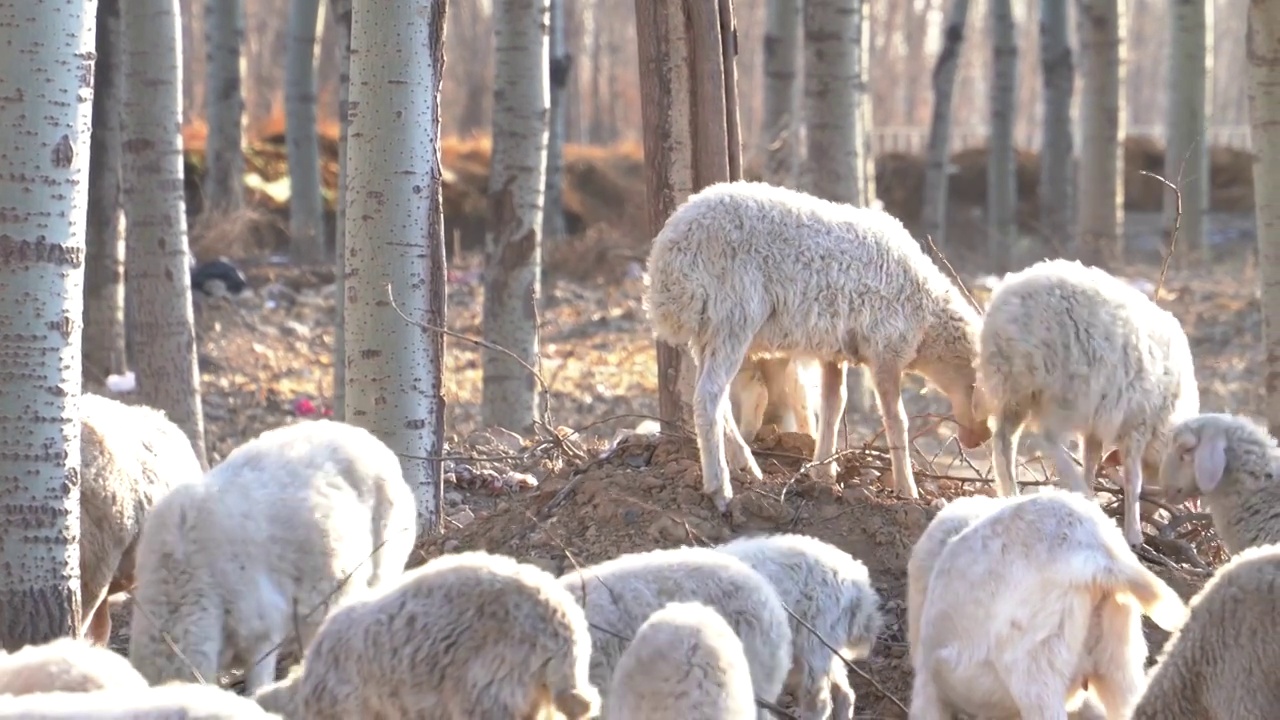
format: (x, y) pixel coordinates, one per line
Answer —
(832, 592)
(773, 390)
(130, 456)
(65, 665)
(289, 524)
(620, 594)
(1031, 604)
(465, 635)
(750, 269)
(1221, 664)
(950, 521)
(685, 663)
(171, 701)
(1119, 373)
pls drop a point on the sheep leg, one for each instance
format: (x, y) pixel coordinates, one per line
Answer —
(748, 399)
(1132, 455)
(842, 696)
(1092, 458)
(834, 395)
(888, 382)
(716, 368)
(739, 452)
(926, 701)
(98, 629)
(1069, 476)
(264, 673)
(1004, 447)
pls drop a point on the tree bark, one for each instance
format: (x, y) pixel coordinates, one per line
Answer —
(158, 262)
(46, 50)
(1002, 167)
(553, 228)
(1057, 196)
(517, 190)
(1262, 45)
(733, 119)
(395, 236)
(341, 10)
(938, 152)
(306, 209)
(1100, 176)
(104, 337)
(781, 103)
(224, 106)
(1186, 157)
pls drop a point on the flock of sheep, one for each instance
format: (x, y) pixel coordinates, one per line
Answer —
(1018, 606)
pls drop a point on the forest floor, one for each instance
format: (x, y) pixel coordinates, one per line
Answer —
(585, 496)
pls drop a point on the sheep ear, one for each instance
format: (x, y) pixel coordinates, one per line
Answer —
(1210, 461)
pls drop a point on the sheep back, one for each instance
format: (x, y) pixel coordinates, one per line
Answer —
(65, 665)
(171, 701)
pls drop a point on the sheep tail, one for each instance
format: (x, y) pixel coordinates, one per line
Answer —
(1158, 601)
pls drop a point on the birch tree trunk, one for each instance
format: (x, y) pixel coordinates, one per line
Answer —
(395, 233)
(224, 105)
(1100, 176)
(46, 50)
(1186, 157)
(1057, 196)
(104, 336)
(1002, 167)
(561, 63)
(781, 101)
(341, 10)
(862, 118)
(1262, 43)
(158, 262)
(938, 152)
(517, 189)
(306, 210)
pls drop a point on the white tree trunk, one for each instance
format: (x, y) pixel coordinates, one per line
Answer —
(553, 228)
(1263, 43)
(938, 152)
(781, 101)
(1002, 161)
(46, 50)
(104, 336)
(1057, 193)
(517, 180)
(395, 236)
(862, 118)
(341, 10)
(224, 105)
(1186, 158)
(1100, 175)
(158, 262)
(306, 210)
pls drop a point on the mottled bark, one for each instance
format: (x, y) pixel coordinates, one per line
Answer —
(341, 10)
(46, 50)
(1186, 158)
(1002, 168)
(1262, 42)
(517, 190)
(104, 336)
(781, 102)
(158, 261)
(561, 64)
(306, 210)
(224, 105)
(1100, 175)
(395, 233)
(938, 150)
(1057, 71)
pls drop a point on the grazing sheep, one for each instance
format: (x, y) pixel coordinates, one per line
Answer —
(685, 663)
(950, 521)
(1031, 604)
(774, 390)
(284, 528)
(171, 701)
(1231, 461)
(130, 456)
(621, 593)
(832, 592)
(65, 665)
(749, 269)
(1221, 665)
(470, 635)
(1076, 350)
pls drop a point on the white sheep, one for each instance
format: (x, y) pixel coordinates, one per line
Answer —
(1030, 605)
(469, 635)
(950, 521)
(620, 594)
(287, 526)
(171, 701)
(1221, 665)
(685, 663)
(65, 665)
(1232, 462)
(749, 269)
(774, 390)
(1074, 350)
(130, 456)
(832, 592)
